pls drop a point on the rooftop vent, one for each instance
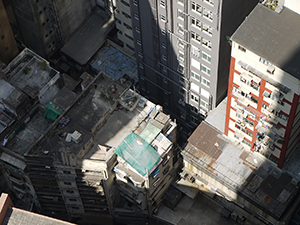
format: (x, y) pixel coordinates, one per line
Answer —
(76, 136)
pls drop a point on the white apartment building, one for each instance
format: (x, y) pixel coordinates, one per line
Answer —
(264, 83)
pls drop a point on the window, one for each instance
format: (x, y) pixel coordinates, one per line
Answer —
(164, 57)
(194, 120)
(135, 2)
(137, 29)
(156, 182)
(180, 14)
(196, 7)
(267, 94)
(194, 98)
(264, 61)
(125, 3)
(180, 29)
(180, 44)
(162, 3)
(195, 51)
(2, 37)
(136, 16)
(163, 18)
(246, 142)
(126, 15)
(141, 65)
(163, 32)
(182, 91)
(180, 68)
(206, 57)
(205, 81)
(67, 183)
(140, 54)
(208, 14)
(210, 1)
(181, 56)
(206, 43)
(205, 69)
(204, 104)
(196, 36)
(130, 47)
(139, 42)
(243, 79)
(195, 75)
(241, 48)
(181, 2)
(194, 109)
(207, 28)
(127, 26)
(196, 22)
(181, 80)
(129, 37)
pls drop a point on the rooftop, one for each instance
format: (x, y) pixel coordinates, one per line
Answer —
(15, 216)
(114, 63)
(264, 32)
(30, 73)
(246, 172)
(89, 38)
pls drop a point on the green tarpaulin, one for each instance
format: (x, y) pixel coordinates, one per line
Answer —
(52, 111)
(138, 153)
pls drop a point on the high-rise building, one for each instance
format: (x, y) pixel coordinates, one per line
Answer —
(8, 46)
(264, 83)
(182, 52)
(47, 25)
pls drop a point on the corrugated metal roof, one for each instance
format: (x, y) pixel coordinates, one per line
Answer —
(247, 172)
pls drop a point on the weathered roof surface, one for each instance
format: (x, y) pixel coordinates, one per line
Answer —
(16, 216)
(244, 171)
(273, 36)
(89, 38)
(114, 63)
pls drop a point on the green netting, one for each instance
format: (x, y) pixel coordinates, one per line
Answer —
(149, 133)
(138, 153)
(52, 111)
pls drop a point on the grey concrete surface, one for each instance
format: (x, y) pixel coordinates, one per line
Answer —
(198, 211)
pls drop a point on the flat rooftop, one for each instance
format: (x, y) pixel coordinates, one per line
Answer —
(114, 63)
(273, 36)
(89, 38)
(15, 216)
(259, 180)
(95, 114)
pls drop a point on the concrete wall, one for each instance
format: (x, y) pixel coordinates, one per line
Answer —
(5, 202)
(71, 14)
